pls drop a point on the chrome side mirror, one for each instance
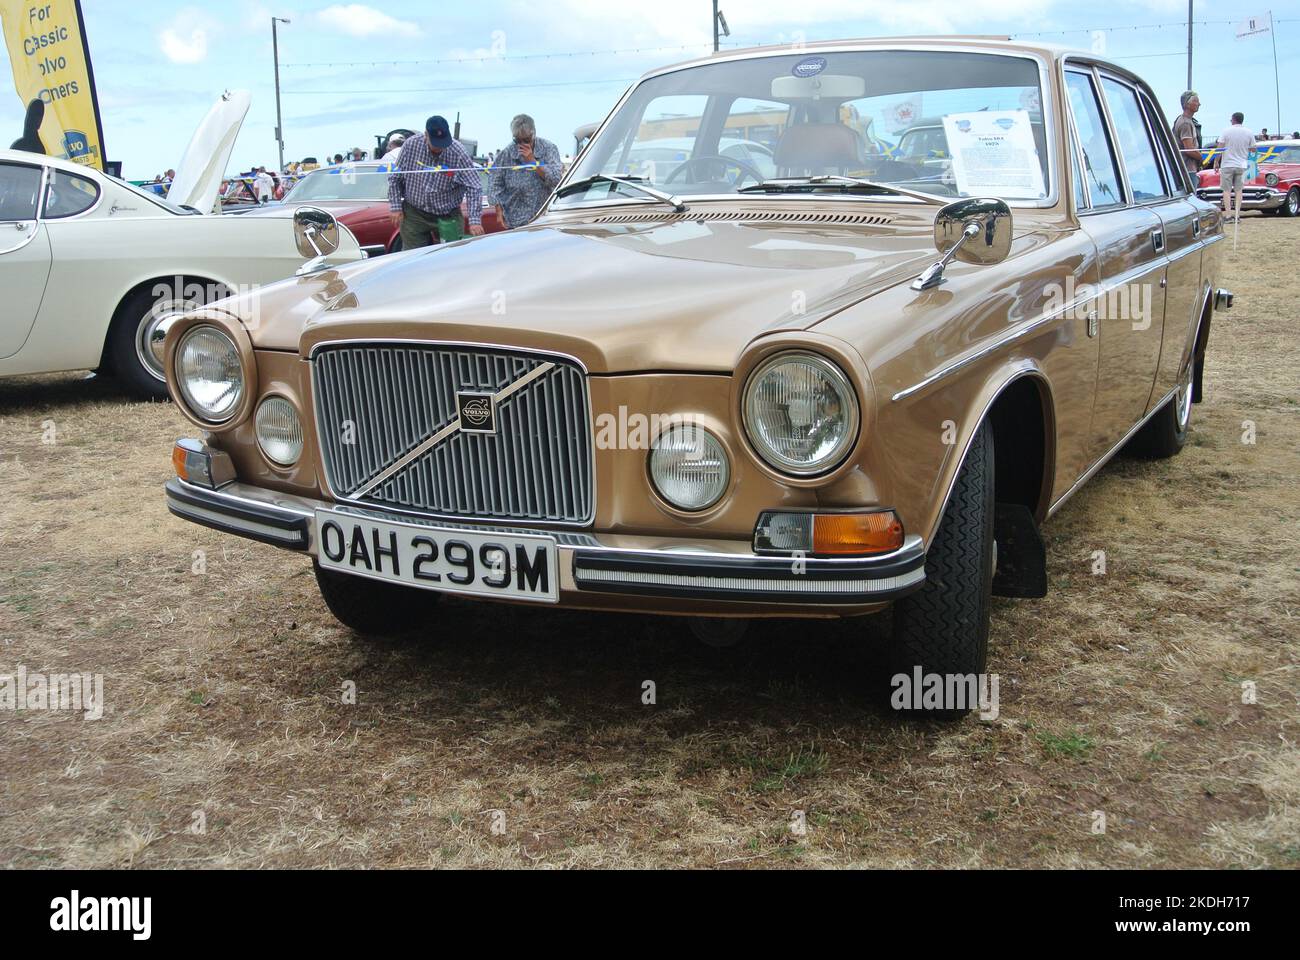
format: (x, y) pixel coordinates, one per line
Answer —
(977, 230)
(317, 235)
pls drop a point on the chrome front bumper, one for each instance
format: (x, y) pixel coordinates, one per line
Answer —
(594, 564)
(1252, 198)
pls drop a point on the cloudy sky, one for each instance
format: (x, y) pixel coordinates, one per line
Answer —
(351, 71)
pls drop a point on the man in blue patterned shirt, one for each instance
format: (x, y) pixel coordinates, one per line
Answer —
(432, 175)
(520, 193)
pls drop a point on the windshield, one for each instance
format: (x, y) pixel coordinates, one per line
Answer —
(351, 181)
(947, 123)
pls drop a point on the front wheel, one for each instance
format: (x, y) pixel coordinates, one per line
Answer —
(1292, 205)
(135, 347)
(943, 628)
(373, 608)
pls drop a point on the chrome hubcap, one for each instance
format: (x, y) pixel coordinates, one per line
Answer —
(151, 333)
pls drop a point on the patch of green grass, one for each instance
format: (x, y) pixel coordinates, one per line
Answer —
(590, 783)
(776, 771)
(1155, 754)
(1073, 745)
(22, 602)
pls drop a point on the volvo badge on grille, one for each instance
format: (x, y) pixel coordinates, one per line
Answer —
(477, 412)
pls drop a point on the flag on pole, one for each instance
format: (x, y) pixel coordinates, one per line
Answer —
(1255, 27)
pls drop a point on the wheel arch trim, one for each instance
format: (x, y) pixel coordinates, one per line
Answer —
(996, 386)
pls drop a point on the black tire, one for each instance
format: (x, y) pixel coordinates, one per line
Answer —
(1291, 206)
(1165, 433)
(373, 608)
(138, 317)
(944, 627)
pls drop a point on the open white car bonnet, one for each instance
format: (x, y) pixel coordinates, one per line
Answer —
(198, 178)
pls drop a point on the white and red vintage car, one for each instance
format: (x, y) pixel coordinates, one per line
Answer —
(1277, 188)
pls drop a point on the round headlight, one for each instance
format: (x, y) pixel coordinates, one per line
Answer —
(1270, 179)
(801, 414)
(209, 374)
(689, 467)
(279, 431)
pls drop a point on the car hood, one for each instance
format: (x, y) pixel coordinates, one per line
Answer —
(341, 209)
(681, 295)
(199, 174)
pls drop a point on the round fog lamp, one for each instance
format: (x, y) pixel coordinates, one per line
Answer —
(279, 431)
(689, 467)
(209, 374)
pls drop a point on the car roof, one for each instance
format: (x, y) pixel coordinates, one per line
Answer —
(992, 43)
(58, 163)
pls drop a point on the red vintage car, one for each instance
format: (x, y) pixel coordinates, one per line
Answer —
(357, 195)
(1277, 188)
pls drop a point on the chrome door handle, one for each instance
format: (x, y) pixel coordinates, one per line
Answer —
(1196, 228)
(1158, 240)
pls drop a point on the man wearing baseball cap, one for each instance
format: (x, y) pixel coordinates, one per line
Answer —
(432, 175)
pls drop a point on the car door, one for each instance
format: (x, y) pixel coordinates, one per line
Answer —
(1130, 303)
(24, 253)
(1183, 221)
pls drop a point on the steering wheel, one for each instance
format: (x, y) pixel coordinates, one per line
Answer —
(725, 164)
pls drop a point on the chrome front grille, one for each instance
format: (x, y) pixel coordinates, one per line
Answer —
(377, 404)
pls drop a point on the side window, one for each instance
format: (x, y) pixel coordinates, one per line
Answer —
(20, 186)
(69, 195)
(1080, 191)
(1170, 162)
(1134, 141)
(1099, 172)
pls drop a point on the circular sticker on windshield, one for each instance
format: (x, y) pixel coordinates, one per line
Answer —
(809, 67)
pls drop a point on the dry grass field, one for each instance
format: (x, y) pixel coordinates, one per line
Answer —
(1120, 693)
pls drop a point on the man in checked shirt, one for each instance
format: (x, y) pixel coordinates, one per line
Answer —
(422, 201)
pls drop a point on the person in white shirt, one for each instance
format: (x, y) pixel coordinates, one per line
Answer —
(394, 147)
(263, 185)
(1237, 143)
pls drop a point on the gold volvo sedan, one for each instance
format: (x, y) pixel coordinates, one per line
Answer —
(749, 360)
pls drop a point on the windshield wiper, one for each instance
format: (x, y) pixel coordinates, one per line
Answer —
(632, 182)
(831, 179)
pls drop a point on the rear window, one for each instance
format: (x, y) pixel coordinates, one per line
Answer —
(69, 195)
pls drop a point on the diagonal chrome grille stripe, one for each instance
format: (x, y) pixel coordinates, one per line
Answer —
(447, 431)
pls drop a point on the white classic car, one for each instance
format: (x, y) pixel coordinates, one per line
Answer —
(94, 269)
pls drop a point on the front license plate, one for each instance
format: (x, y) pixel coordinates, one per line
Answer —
(438, 558)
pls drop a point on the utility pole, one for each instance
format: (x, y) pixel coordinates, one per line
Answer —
(719, 24)
(1189, 46)
(279, 123)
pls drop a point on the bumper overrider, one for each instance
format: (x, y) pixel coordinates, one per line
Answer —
(594, 569)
